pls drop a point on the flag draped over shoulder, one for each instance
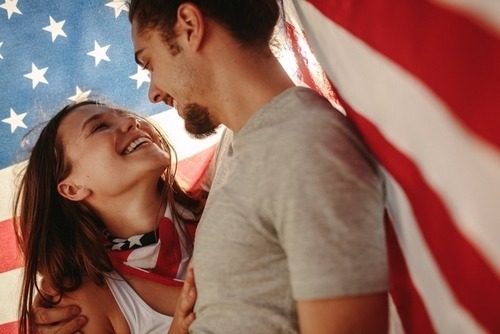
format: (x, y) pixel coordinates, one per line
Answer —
(53, 53)
(421, 81)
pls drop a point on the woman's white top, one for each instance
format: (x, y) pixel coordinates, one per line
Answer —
(141, 318)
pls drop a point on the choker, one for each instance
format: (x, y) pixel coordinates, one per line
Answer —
(133, 242)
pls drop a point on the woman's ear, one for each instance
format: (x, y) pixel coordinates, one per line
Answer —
(72, 191)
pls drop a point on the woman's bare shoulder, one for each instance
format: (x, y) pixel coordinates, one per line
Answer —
(99, 306)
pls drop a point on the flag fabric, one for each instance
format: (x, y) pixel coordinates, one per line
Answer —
(53, 53)
(419, 78)
(421, 81)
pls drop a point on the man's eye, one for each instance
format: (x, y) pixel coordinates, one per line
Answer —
(99, 126)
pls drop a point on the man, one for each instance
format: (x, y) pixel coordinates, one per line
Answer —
(292, 236)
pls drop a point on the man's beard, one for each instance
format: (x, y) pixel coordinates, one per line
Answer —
(197, 121)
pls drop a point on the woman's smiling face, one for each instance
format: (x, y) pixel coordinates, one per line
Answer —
(110, 151)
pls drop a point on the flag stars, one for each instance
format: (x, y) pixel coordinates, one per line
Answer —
(99, 53)
(11, 7)
(55, 28)
(79, 95)
(135, 240)
(15, 120)
(141, 76)
(37, 75)
(118, 6)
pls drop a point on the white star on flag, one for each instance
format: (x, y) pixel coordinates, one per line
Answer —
(1, 57)
(141, 76)
(79, 95)
(55, 28)
(37, 75)
(11, 7)
(99, 53)
(135, 240)
(15, 120)
(118, 6)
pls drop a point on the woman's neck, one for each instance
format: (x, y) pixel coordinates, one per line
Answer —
(127, 216)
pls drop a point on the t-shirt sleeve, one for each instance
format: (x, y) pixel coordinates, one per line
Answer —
(332, 230)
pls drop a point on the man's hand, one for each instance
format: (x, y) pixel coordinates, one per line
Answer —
(56, 320)
(184, 315)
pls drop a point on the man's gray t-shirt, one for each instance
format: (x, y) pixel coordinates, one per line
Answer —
(295, 212)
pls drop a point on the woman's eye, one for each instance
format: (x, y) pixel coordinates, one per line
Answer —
(99, 126)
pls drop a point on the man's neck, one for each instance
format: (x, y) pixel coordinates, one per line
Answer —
(262, 82)
(244, 80)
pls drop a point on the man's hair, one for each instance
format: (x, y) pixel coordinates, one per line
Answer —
(251, 22)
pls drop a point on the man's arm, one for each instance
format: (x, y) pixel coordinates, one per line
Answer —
(354, 314)
(60, 319)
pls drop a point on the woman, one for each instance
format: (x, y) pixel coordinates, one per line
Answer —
(99, 193)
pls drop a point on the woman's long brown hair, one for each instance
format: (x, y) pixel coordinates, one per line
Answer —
(61, 239)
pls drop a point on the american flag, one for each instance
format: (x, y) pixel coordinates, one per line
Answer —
(53, 53)
(420, 79)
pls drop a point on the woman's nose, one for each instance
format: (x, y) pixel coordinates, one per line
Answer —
(128, 123)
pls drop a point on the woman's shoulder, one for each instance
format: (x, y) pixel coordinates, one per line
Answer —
(99, 306)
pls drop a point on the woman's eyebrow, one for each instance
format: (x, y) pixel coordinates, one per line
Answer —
(90, 119)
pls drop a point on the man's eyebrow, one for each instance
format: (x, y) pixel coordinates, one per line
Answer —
(137, 54)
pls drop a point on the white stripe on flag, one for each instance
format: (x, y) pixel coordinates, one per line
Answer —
(482, 11)
(7, 177)
(10, 283)
(184, 145)
(445, 312)
(395, 325)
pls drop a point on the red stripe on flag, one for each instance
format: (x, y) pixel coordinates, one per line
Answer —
(473, 281)
(301, 57)
(303, 64)
(10, 257)
(9, 328)
(305, 74)
(457, 59)
(409, 305)
(191, 170)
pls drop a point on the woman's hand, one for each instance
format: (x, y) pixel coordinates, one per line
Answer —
(184, 314)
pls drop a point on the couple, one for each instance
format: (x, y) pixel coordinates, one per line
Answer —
(291, 238)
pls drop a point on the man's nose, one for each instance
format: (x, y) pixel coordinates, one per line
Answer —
(155, 95)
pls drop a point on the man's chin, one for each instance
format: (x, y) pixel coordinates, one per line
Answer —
(201, 134)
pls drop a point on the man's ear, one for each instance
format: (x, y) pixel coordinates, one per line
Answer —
(190, 24)
(72, 191)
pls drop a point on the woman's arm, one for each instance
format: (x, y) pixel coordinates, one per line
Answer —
(184, 314)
